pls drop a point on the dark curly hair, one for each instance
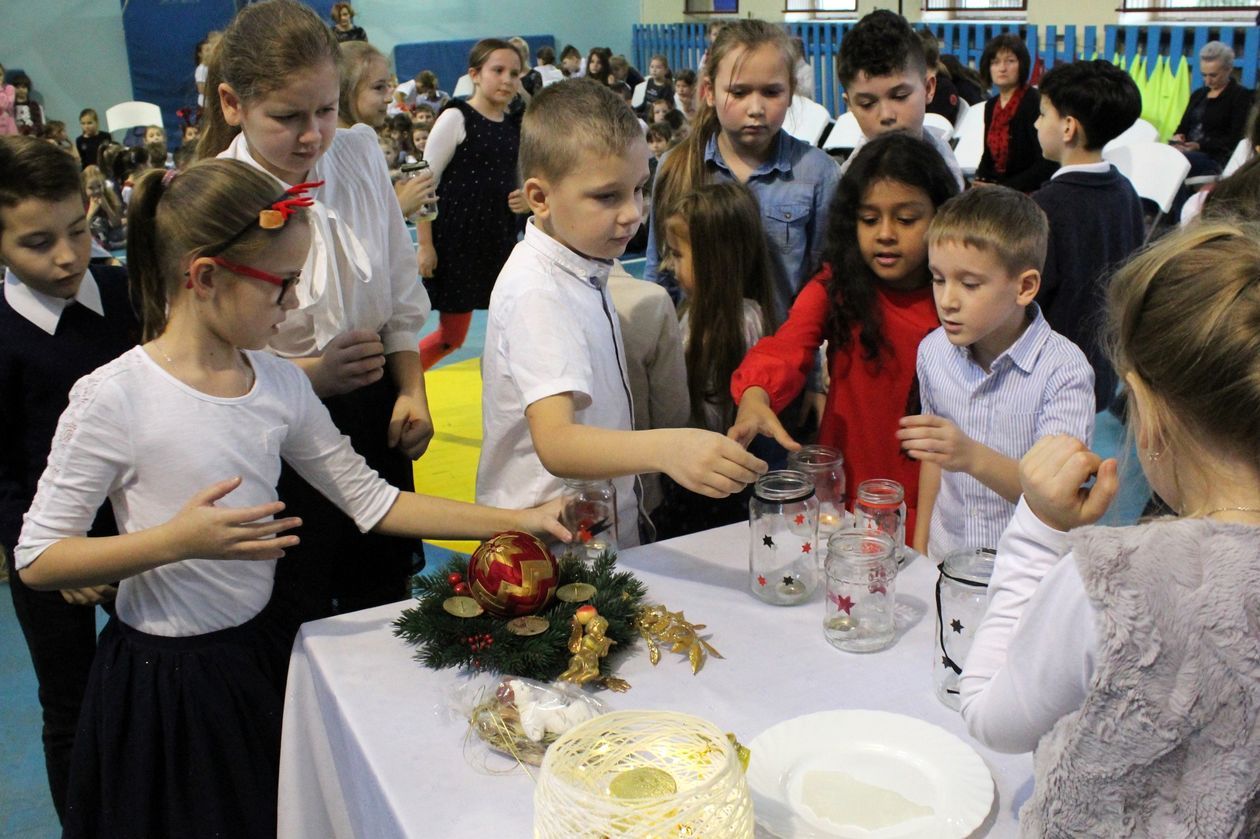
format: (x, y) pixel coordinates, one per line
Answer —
(881, 44)
(893, 157)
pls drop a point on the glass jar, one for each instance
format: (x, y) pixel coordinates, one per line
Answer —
(429, 210)
(881, 505)
(962, 594)
(783, 538)
(826, 466)
(589, 512)
(858, 611)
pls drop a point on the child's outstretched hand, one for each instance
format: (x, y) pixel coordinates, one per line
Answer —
(203, 531)
(544, 521)
(755, 416)
(933, 439)
(1052, 474)
(517, 202)
(707, 463)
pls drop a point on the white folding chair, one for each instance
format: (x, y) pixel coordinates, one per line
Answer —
(640, 93)
(806, 119)
(938, 125)
(126, 115)
(464, 87)
(970, 146)
(845, 134)
(1139, 132)
(1156, 171)
(963, 107)
(1242, 153)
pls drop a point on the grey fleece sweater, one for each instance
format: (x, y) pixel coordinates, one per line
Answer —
(1167, 743)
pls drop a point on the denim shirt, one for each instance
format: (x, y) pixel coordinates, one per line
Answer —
(793, 188)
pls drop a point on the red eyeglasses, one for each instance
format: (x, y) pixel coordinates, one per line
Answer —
(285, 283)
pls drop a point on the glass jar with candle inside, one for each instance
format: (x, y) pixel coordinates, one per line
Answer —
(826, 466)
(589, 512)
(861, 571)
(783, 561)
(880, 505)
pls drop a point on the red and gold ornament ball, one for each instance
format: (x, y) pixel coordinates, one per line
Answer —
(512, 574)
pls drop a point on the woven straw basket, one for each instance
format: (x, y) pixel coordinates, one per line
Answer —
(572, 797)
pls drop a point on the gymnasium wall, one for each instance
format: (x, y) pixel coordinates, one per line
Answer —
(76, 51)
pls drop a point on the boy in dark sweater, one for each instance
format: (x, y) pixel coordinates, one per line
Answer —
(58, 322)
(1095, 214)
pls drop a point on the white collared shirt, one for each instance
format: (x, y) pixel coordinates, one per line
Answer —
(552, 329)
(44, 310)
(1102, 167)
(361, 272)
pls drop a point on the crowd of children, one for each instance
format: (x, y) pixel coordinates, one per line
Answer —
(217, 441)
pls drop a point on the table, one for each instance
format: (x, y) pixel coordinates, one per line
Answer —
(370, 748)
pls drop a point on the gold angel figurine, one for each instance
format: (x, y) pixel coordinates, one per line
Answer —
(589, 643)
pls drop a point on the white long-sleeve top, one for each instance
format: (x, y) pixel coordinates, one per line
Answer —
(135, 434)
(361, 272)
(1034, 653)
(448, 132)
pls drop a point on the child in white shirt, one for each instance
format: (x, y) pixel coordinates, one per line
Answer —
(556, 401)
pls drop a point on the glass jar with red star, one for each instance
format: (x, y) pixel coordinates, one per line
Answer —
(861, 597)
(589, 512)
(783, 563)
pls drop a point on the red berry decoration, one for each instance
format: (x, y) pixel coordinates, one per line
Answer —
(512, 574)
(454, 578)
(462, 588)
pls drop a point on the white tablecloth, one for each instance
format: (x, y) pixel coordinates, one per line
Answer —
(370, 749)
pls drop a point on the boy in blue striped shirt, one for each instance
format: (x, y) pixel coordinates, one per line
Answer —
(994, 378)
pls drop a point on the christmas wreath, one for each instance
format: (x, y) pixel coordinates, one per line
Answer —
(536, 643)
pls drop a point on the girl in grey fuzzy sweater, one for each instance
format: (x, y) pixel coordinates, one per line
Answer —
(1129, 658)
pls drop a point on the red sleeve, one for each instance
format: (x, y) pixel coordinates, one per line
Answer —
(780, 363)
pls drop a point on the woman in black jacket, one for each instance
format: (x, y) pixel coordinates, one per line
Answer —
(1012, 155)
(1216, 116)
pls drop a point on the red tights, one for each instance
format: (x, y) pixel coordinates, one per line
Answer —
(450, 334)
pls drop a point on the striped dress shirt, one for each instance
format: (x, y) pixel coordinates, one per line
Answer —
(1042, 384)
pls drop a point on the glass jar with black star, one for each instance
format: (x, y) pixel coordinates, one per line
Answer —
(783, 558)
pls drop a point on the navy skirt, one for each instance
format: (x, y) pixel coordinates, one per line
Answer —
(181, 736)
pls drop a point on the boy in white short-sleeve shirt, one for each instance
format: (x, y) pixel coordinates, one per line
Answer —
(556, 398)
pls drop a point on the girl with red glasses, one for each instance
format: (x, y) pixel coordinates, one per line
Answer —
(185, 435)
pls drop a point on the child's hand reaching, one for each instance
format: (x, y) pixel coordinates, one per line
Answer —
(933, 439)
(1052, 474)
(544, 521)
(203, 531)
(755, 417)
(708, 463)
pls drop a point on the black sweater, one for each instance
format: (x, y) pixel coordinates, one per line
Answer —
(1217, 124)
(1095, 224)
(37, 371)
(1026, 169)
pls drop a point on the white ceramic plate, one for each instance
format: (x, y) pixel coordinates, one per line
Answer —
(892, 765)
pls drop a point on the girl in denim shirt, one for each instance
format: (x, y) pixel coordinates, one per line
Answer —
(745, 93)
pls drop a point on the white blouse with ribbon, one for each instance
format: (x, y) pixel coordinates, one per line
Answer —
(361, 271)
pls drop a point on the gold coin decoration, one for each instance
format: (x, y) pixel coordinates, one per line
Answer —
(575, 592)
(530, 625)
(643, 782)
(462, 607)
